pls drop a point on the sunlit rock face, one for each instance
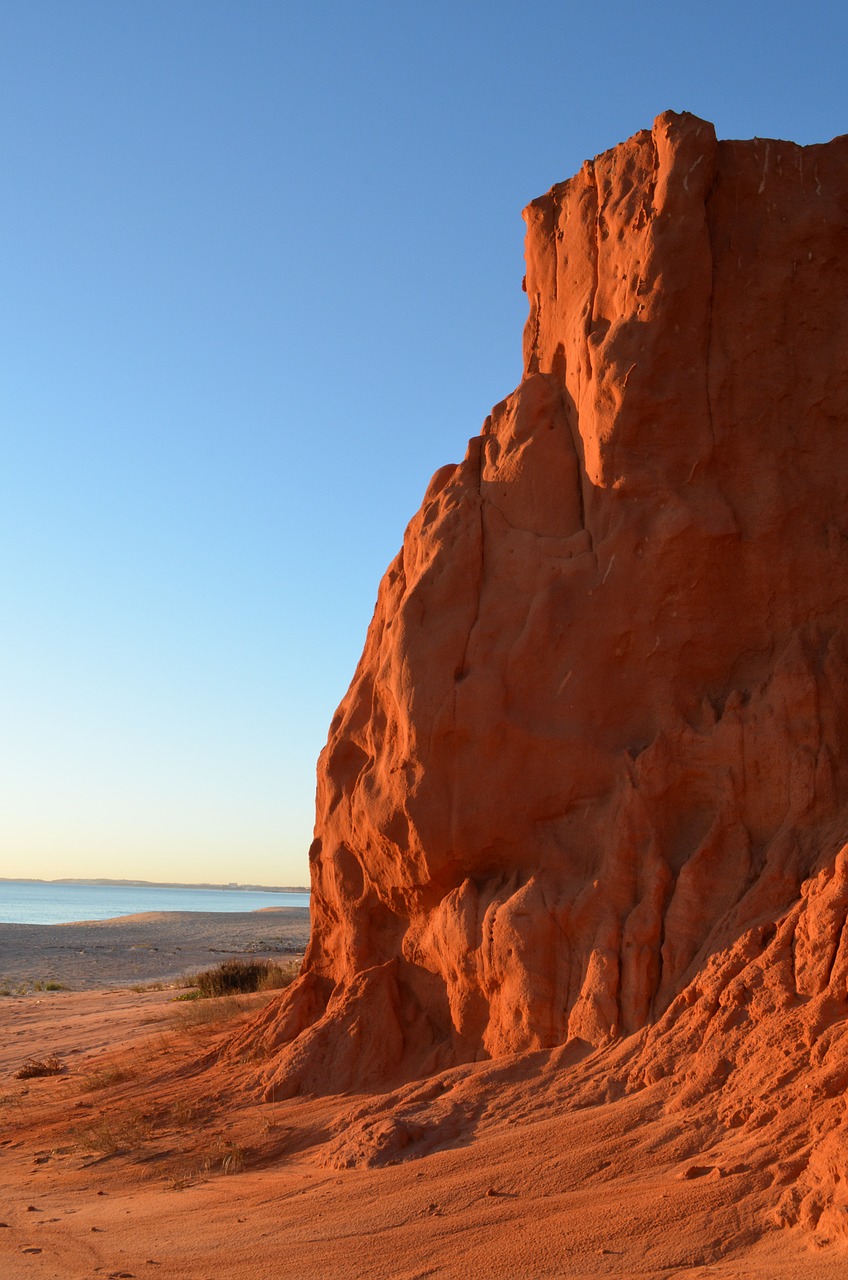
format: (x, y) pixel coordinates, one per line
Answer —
(596, 741)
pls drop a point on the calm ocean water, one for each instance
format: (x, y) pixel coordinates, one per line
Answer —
(33, 902)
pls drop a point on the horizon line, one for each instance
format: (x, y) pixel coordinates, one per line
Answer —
(232, 887)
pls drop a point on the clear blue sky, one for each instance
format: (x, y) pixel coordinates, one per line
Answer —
(261, 277)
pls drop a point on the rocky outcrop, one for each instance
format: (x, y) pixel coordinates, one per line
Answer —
(596, 741)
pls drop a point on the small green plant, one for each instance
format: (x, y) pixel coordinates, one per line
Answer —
(33, 1067)
(30, 986)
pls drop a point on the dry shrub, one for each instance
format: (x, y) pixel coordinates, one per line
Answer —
(50, 1066)
(187, 1114)
(241, 977)
(26, 988)
(101, 1138)
(110, 1074)
(200, 1014)
(222, 1156)
(109, 1135)
(228, 1157)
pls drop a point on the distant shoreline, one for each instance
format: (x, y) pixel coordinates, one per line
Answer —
(159, 884)
(153, 946)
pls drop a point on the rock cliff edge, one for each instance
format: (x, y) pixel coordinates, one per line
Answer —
(591, 776)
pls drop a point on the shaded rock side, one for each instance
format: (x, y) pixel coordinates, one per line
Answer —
(597, 734)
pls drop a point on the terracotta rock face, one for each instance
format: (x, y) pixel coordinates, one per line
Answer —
(596, 740)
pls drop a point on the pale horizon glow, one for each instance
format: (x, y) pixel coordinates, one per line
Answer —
(262, 278)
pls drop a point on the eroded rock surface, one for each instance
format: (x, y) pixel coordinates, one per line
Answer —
(592, 763)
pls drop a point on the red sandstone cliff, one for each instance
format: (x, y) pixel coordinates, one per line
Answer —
(592, 766)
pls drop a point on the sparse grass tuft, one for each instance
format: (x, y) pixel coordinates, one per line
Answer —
(206, 1013)
(105, 1077)
(223, 1156)
(33, 1067)
(228, 1156)
(99, 1138)
(240, 977)
(187, 1114)
(179, 1181)
(106, 1136)
(29, 986)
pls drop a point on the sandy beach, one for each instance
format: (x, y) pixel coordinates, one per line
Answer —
(150, 947)
(152, 1151)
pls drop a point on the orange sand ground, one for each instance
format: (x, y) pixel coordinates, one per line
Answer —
(152, 1156)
